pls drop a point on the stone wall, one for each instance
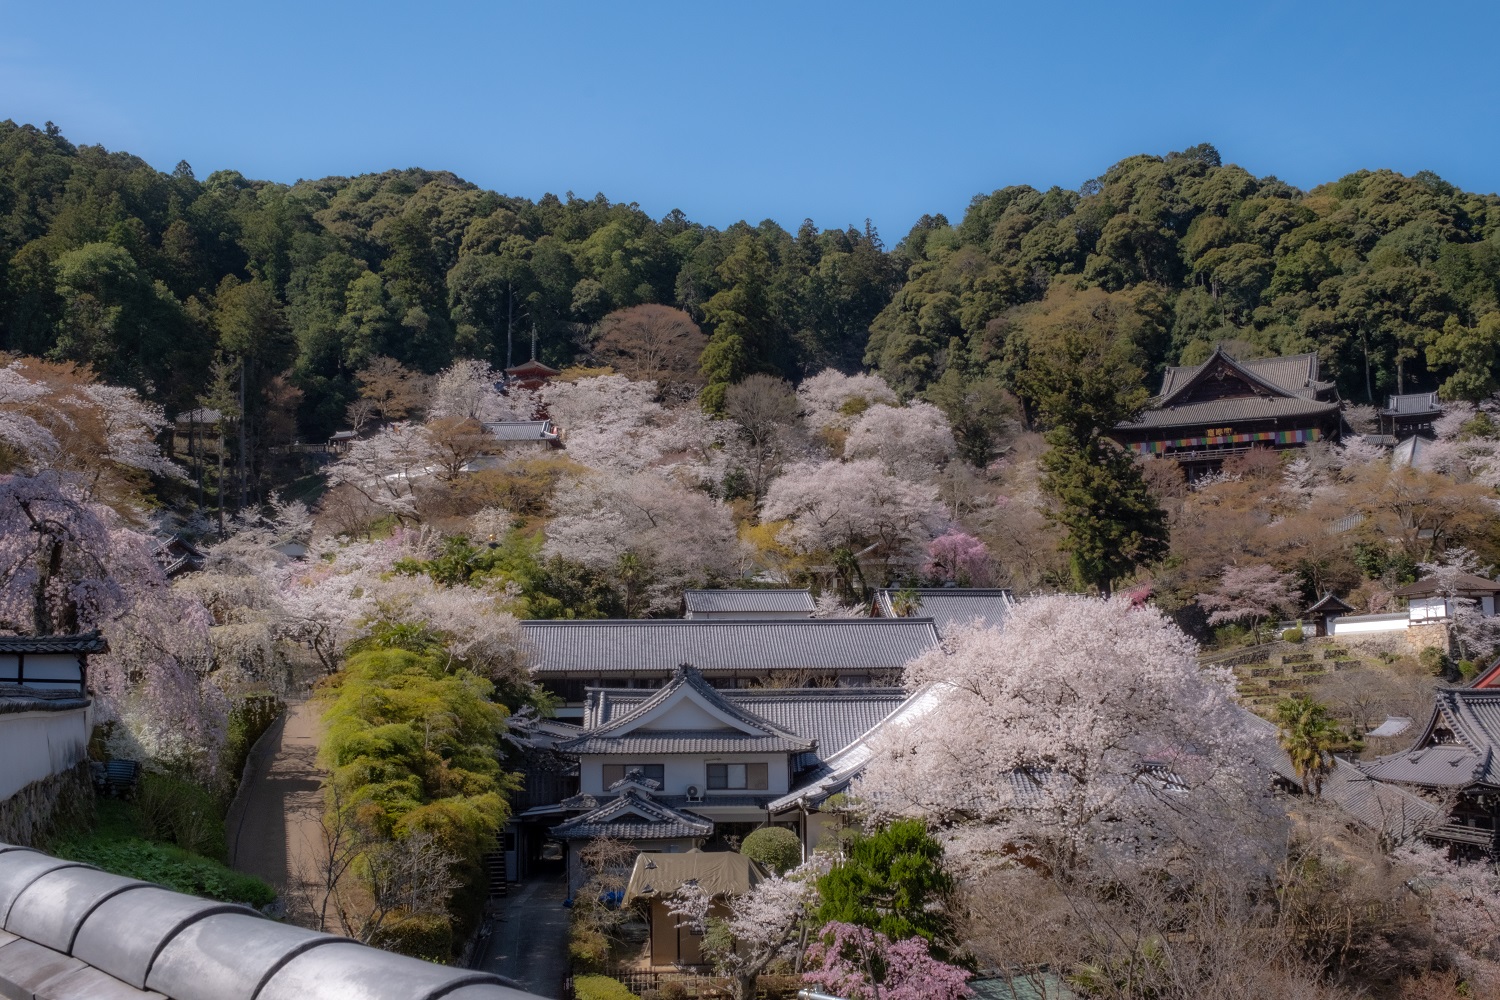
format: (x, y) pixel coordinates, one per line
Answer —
(43, 807)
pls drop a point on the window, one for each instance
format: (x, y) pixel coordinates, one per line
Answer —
(617, 772)
(751, 776)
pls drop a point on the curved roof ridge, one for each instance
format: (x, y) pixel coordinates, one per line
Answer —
(687, 676)
(1241, 367)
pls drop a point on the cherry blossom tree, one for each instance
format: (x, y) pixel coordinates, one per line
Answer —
(860, 964)
(1472, 631)
(770, 922)
(956, 557)
(911, 441)
(851, 507)
(833, 399)
(1250, 594)
(666, 535)
(469, 390)
(1084, 725)
(613, 422)
(387, 468)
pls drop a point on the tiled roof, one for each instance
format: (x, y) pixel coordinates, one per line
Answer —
(755, 735)
(1296, 373)
(86, 642)
(834, 717)
(1229, 411)
(72, 932)
(1412, 403)
(634, 816)
(791, 602)
(1414, 452)
(1464, 585)
(1330, 603)
(521, 430)
(952, 606)
(1472, 715)
(841, 645)
(654, 741)
(24, 698)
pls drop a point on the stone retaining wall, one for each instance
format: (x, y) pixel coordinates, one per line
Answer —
(43, 807)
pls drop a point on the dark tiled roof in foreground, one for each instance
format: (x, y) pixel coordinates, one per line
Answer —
(952, 606)
(72, 932)
(634, 816)
(1472, 716)
(87, 642)
(24, 698)
(791, 602)
(842, 645)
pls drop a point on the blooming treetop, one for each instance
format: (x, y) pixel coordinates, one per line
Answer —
(833, 399)
(860, 964)
(1084, 725)
(851, 504)
(764, 924)
(387, 468)
(1250, 593)
(682, 535)
(959, 558)
(911, 441)
(466, 391)
(616, 423)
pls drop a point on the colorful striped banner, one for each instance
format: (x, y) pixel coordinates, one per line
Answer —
(1259, 437)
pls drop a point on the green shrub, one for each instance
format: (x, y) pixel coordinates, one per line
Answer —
(1293, 634)
(248, 722)
(1468, 669)
(430, 938)
(1434, 661)
(601, 988)
(775, 847)
(587, 947)
(180, 812)
(115, 846)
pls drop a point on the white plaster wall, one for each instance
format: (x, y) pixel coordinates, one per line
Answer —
(682, 770)
(1342, 626)
(36, 745)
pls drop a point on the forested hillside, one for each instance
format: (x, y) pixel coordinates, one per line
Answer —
(151, 277)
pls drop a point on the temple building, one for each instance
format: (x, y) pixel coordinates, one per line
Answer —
(1410, 414)
(1224, 407)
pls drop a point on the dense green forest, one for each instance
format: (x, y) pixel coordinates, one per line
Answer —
(152, 278)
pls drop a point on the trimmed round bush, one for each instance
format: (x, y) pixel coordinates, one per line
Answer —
(1293, 634)
(601, 988)
(774, 847)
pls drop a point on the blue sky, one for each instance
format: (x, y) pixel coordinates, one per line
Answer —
(834, 111)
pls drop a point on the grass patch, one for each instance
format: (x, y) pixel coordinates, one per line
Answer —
(115, 844)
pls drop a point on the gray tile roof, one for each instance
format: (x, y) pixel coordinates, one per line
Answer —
(1463, 755)
(1296, 373)
(521, 430)
(669, 741)
(1229, 411)
(952, 606)
(792, 602)
(833, 717)
(634, 816)
(25, 698)
(1412, 403)
(838, 645)
(86, 642)
(1288, 388)
(71, 932)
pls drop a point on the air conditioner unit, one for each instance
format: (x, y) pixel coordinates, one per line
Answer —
(694, 793)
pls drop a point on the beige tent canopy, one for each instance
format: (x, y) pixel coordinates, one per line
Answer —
(722, 873)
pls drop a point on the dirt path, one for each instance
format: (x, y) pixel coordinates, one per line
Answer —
(274, 824)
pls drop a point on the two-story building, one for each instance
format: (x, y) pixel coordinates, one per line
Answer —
(689, 765)
(1224, 407)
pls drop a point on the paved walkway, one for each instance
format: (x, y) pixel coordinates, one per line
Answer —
(528, 941)
(274, 823)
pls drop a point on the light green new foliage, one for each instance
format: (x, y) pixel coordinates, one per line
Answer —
(773, 847)
(412, 747)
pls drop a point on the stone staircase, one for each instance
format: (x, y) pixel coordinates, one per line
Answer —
(1267, 673)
